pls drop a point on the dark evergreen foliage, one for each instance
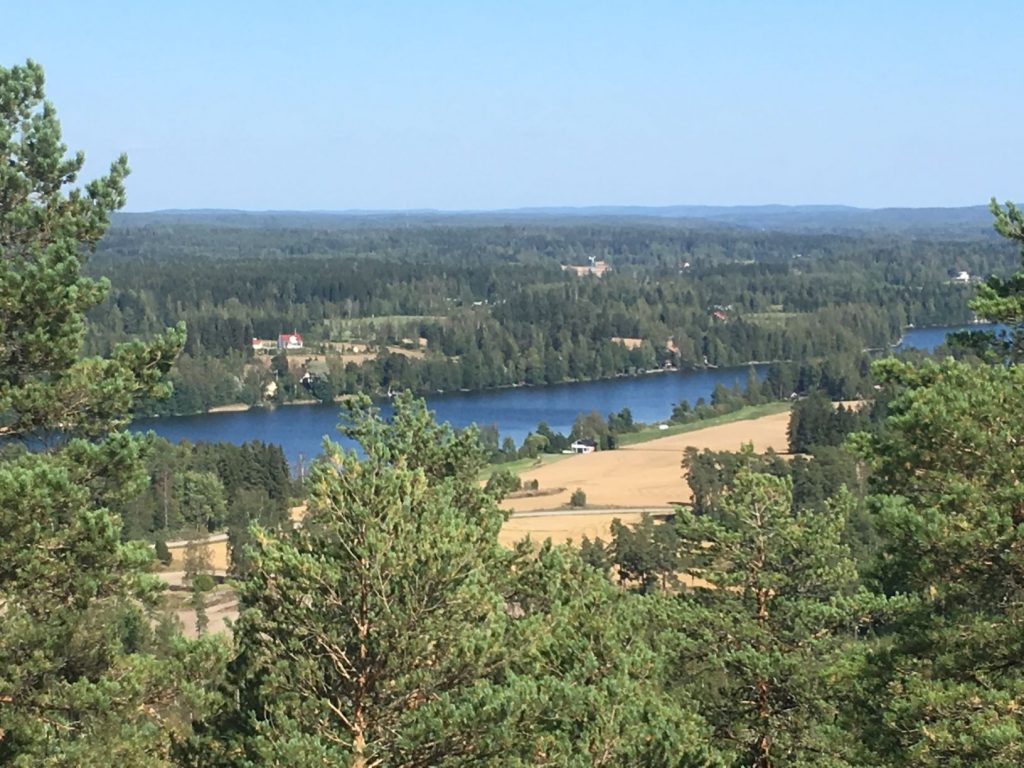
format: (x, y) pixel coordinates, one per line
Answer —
(494, 308)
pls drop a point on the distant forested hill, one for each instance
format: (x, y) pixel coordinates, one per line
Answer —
(972, 221)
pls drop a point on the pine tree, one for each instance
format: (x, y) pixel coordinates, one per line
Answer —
(80, 682)
(811, 423)
(589, 687)
(766, 623)
(392, 629)
(1001, 300)
(945, 687)
(362, 632)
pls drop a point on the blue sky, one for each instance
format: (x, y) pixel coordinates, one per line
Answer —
(481, 105)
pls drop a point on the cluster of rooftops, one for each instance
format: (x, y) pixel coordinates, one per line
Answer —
(284, 341)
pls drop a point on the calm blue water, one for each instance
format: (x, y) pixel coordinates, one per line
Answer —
(929, 338)
(299, 429)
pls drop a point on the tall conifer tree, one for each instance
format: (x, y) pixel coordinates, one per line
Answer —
(80, 683)
(945, 687)
(391, 629)
(768, 619)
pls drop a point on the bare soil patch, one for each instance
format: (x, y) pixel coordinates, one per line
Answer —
(229, 408)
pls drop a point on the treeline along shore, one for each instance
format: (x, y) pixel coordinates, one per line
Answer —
(376, 308)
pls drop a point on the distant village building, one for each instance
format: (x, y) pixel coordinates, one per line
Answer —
(583, 446)
(721, 311)
(962, 277)
(267, 346)
(289, 341)
(315, 369)
(284, 341)
(596, 267)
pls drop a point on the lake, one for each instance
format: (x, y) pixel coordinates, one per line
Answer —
(929, 338)
(299, 429)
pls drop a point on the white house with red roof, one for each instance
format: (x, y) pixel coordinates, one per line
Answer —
(289, 341)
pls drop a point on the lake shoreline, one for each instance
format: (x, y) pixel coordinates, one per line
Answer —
(514, 411)
(243, 407)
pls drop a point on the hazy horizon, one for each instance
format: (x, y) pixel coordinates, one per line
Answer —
(556, 207)
(396, 106)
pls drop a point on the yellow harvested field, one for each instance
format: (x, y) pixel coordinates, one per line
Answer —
(643, 475)
(560, 528)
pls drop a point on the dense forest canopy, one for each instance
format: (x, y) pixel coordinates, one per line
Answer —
(433, 304)
(952, 223)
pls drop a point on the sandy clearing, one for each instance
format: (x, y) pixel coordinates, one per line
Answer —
(647, 474)
(629, 342)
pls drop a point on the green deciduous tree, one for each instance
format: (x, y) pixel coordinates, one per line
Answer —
(710, 474)
(590, 426)
(646, 554)
(200, 497)
(83, 681)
